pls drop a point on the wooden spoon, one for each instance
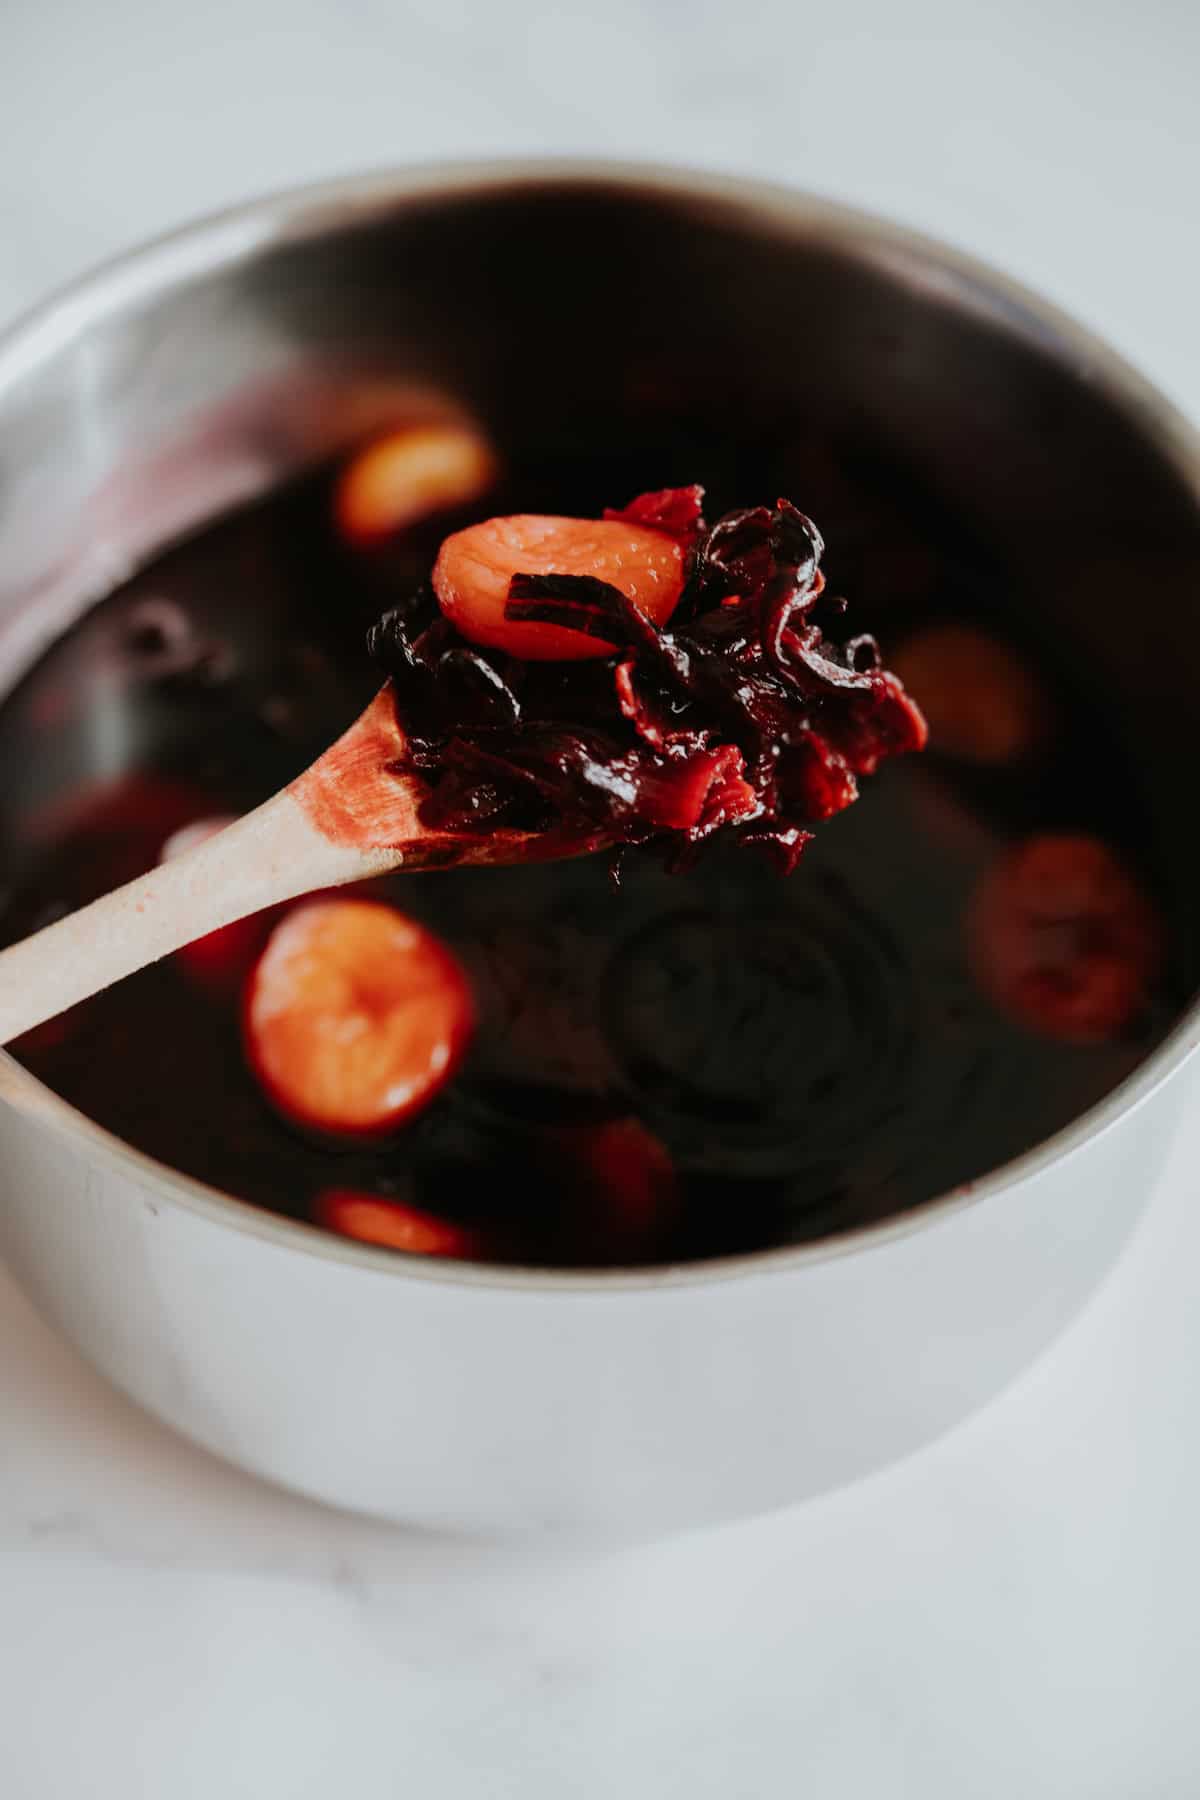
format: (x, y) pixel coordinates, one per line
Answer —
(354, 813)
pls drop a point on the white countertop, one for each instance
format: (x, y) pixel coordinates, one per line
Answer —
(1015, 1612)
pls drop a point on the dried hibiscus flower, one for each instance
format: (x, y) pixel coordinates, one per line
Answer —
(642, 676)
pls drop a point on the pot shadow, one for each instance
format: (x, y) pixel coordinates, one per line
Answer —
(84, 1468)
(91, 1483)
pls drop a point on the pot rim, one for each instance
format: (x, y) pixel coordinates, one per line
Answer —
(292, 215)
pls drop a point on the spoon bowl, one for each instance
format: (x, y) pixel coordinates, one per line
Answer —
(354, 814)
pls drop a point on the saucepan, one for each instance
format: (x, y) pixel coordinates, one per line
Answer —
(217, 362)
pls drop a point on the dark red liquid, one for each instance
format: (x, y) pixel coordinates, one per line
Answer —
(813, 1053)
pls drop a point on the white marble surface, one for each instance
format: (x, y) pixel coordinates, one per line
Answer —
(1012, 1613)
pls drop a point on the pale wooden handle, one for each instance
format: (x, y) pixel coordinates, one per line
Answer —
(272, 854)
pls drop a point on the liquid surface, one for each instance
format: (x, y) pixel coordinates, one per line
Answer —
(811, 1053)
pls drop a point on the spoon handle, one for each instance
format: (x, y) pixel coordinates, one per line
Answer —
(269, 855)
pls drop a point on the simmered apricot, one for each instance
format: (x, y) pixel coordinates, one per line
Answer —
(474, 568)
(409, 474)
(1064, 940)
(393, 1224)
(625, 1187)
(616, 1193)
(355, 1016)
(982, 703)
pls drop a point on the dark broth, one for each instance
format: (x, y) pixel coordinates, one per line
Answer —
(813, 1053)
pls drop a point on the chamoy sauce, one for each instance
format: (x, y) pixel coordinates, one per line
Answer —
(690, 1064)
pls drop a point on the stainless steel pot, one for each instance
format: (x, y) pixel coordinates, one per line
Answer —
(208, 366)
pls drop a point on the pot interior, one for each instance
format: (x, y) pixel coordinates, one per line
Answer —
(610, 336)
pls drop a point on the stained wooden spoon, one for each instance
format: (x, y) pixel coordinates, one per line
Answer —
(354, 813)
